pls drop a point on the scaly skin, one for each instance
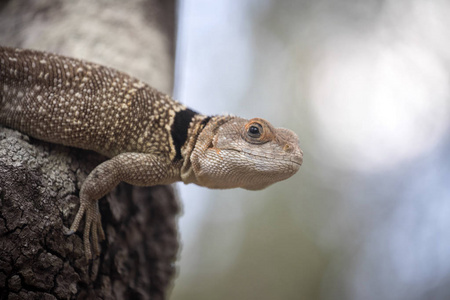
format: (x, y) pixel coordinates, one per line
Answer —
(149, 138)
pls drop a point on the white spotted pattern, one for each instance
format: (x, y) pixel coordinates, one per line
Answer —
(81, 104)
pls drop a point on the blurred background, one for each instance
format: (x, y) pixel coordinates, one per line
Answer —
(365, 85)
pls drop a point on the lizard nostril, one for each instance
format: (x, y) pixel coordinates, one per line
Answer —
(287, 148)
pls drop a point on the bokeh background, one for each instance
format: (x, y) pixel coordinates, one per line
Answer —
(365, 85)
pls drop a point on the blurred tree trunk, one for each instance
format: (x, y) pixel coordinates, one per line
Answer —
(39, 182)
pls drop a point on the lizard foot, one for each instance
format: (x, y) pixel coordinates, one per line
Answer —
(93, 227)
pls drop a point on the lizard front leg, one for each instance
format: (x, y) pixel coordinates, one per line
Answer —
(134, 168)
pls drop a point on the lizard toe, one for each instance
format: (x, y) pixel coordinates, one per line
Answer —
(87, 244)
(101, 233)
(78, 217)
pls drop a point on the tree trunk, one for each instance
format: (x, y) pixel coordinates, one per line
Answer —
(39, 182)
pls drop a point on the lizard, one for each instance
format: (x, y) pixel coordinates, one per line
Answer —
(148, 138)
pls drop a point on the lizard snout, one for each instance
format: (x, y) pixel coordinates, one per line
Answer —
(295, 152)
(293, 147)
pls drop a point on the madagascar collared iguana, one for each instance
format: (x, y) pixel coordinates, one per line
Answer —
(149, 138)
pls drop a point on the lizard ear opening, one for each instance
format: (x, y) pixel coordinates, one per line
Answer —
(258, 131)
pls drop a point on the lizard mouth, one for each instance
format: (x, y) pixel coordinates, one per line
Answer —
(294, 159)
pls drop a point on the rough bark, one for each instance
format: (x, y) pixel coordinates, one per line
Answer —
(39, 182)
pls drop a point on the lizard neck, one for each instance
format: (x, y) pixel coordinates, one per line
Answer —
(200, 135)
(184, 130)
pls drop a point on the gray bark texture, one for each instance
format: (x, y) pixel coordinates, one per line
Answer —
(39, 182)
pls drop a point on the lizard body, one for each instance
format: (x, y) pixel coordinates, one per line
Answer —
(149, 138)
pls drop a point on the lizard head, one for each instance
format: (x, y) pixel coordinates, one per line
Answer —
(233, 152)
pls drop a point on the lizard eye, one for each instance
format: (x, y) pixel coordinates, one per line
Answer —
(254, 131)
(258, 131)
